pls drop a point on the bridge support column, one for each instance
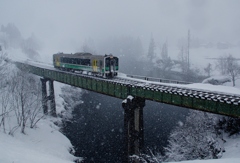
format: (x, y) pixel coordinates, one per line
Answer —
(133, 126)
(45, 97)
(52, 99)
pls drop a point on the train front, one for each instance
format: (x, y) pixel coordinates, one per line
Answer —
(111, 65)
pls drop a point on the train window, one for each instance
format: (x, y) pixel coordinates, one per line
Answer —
(107, 62)
(85, 62)
(74, 61)
(82, 62)
(88, 61)
(112, 62)
(78, 61)
(116, 61)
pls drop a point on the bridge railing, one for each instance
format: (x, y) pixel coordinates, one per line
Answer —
(158, 79)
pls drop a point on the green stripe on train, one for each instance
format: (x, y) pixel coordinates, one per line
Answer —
(79, 67)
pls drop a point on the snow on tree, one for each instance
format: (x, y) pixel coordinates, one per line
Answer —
(151, 49)
(208, 69)
(228, 65)
(26, 99)
(89, 46)
(20, 98)
(10, 37)
(13, 36)
(30, 46)
(217, 80)
(165, 63)
(197, 138)
(72, 97)
(182, 57)
(229, 125)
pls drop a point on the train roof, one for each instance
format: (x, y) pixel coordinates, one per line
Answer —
(82, 54)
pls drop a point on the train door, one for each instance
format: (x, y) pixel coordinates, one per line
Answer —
(58, 61)
(94, 65)
(107, 65)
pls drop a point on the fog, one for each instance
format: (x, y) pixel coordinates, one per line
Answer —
(64, 25)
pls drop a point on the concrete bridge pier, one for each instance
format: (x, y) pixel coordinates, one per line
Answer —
(46, 98)
(133, 126)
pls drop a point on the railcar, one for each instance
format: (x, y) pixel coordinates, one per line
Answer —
(100, 65)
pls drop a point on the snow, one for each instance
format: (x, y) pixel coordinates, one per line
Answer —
(214, 88)
(232, 160)
(200, 57)
(217, 80)
(58, 99)
(43, 144)
(232, 147)
(225, 89)
(46, 144)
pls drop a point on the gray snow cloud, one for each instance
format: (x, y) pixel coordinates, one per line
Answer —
(61, 23)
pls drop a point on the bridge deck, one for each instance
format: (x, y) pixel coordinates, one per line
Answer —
(214, 102)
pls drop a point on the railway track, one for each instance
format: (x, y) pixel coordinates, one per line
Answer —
(180, 90)
(168, 87)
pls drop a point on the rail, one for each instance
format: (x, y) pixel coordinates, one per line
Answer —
(158, 79)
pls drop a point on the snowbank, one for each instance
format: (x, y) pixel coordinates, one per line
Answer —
(232, 148)
(44, 144)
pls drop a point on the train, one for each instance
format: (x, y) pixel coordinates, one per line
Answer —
(105, 66)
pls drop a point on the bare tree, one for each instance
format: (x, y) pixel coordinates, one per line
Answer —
(165, 64)
(26, 100)
(5, 96)
(36, 112)
(208, 69)
(228, 65)
(166, 60)
(5, 108)
(151, 49)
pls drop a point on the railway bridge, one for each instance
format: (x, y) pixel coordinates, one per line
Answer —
(134, 92)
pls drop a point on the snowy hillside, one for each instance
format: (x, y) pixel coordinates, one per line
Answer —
(232, 147)
(27, 136)
(43, 144)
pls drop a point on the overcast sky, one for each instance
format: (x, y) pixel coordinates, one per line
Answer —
(69, 22)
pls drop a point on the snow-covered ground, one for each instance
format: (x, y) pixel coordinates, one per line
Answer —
(41, 144)
(232, 147)
(46, 144)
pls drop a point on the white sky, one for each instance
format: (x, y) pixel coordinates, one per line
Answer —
(69, 23)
